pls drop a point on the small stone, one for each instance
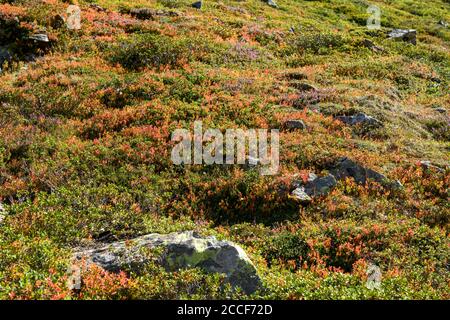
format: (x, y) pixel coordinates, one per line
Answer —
(443, 23)
(409, 36)
(429, 166)
(303, 86)
(294, 124)
(272, 3)
(360, 119)
(97, 7)
(197, 5)
(372, 46)
(39, 37)
(2, 213)
(300, 195)
(320, 186)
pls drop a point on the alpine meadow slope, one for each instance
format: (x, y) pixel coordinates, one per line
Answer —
(87, 114)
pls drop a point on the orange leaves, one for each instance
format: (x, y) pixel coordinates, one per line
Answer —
(100, 284)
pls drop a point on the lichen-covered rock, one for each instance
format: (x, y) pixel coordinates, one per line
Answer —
(180, 250)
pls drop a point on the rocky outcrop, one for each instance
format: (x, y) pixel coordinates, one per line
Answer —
(409, 35)
(180, 251)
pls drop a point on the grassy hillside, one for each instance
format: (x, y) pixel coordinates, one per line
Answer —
(85, 144)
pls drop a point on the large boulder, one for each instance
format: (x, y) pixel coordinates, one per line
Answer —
(180, 251)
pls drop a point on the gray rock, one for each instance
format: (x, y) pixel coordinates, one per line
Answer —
(97, 7)
(346, 168)
(372, 46)
(409, 35)
(197, 5)
(320, 186)
(429, 166)
(360, 119)
(440, 110)
(147, 13)
(313, 187)
(443, 23)
(39, 37)
(272, 3)
(180, 251)
(303, 86)
(300, 195)
(294, 124)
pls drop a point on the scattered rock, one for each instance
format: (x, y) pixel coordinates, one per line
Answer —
(409, 36)
(303, 86)
(345, 168)
(147, 13)
(294, 124)
(428, 165)
(313, 187)
(272, 3)
(360, 119)
(438, 109)
(39, 37)
(180, 251)
(97, 7)
(320, 186)
(372, 46)
(443, 23)
(300, 195)
(57, 22)
(294, 75)
(197, 5)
